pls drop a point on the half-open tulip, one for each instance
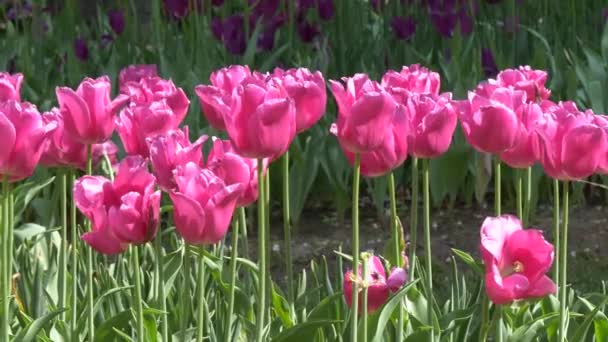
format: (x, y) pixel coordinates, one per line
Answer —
(168, 151)
(262, 121)
(24, 138)
(140, 122)
(365, 111)
(572, 145)
(379, 287)
(203, 204)
(10, 86)
(413, 79)
(432, 121)
(307, 89)
(526, 150)
(491, 117)
(151, 89)
(515, 260)
(526, 79)
(215, 99)
(88, 112)
(123, 212)
(134, 73)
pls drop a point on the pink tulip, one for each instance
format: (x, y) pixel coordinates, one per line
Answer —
(24, 138)
(137, 123)
(516, 260)
(170, 150)
(526, 79)
(152, 89)
(433, 121)
(135, 72)
(215, 99)
(308, 92)
(391, 154)
(122, 212)
(602, 122)
(203, 204)
(572, 145)
(365, 111)
(526, 150)
(262, 120)
(491, 117)
(63, 151)
(10, 86)
(379, 288)
(411, 80)
(88, 112)
(224, 162)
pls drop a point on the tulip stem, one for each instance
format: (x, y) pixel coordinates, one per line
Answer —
(234, 249)
(397, 240)
(563, 312)
(355, 247)
(485, 316)
(185, 293)
(200, 331)
(499, 337)
(74, 238)
(261, 253)
(427, 243)
(6, 267)
(414, 217)
(364, 284)
(528, 200)
(287, 228)
(89, 252)
(160, 283)
(497, 186)
(519, 193)
(139, 310)
(556, 233)
(63, 251)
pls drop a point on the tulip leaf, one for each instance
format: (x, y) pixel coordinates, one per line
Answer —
(469, 260)
(448, 321)
(281, 308)
(387, 310)
(27, 231)
(594, 315)
(31, 332)
(303, 332)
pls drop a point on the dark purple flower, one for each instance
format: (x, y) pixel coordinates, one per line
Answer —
(488, 64)
(217, 2)
(307, 31)
(304, 5)
(326, 9)
(444, 23)
(404, 28)
(177, 8)
(117, 21)
(81, 49)
(266, 38)
(233, 34)
(217, 27)
(466, 23)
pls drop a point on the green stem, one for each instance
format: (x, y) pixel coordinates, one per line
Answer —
(563, 310)
(185, 293)
(160, 290)
(519, 194)
(243, 228)
(397, 247)
(485, 316)
(235, 251)
(287, 228)
(364, 296)
(74, 271)
(499, 336)
(355, 247)
(63, 251)
(427, 242)
(139, 310)
(261, 253)
(6, 268)
(200, 331)
(556, 233)
(414, 218)
(268, 246)
(528, 200)
(89, 252)
(497, 186)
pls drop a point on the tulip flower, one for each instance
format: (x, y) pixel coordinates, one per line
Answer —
(170, 150)
(262, 122)
(602, 122)
(488, 64)
(215, 99)
(136, 72)
(403, 27)
(203, 204)
(308, 93)
(150, 89)
(378, 287)
(432, 121)
(525, 79)
(88, 112)
(365, 111)
(10, 86)
(515, 260)
(393, 151)
(116, 18)
(491, 117)
(224, 162)
(24, 138)
(412, 79)
(526, 150)
(81, 49)
(572, 145)
(63, 150)
(122, 212)
(140, 122)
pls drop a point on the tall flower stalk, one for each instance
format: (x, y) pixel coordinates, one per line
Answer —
(6, 268)
(63, 251)
(234, 247)
(139, 310)
(528, 199)
(355, 246)
(89, 252)
(160, 290)
(556, 233)
(365, 285)
(427, 241)
(414, 218)
(200, 331)
(287, 229)
(74, 255)
(563, 256)
(185, 293)
(261, 253)
(397, 247)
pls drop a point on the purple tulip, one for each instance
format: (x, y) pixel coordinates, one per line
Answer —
(81, 49)
(234, 35)
(488, 64)
(307, 31)
(326, 9)
(404, 28)
(466, 23)
(116, 18)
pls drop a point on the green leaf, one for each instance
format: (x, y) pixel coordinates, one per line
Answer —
(303, 332)
(469, 260)
(29, 334)
(581, 331)
(448, 321)
(388, 308)
(27, 231)
(281, 308)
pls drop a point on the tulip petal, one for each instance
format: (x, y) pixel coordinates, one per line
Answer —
(530, 248)
(8, 134)
(397, 279)
(75, 113)
(542, 287)
(89, 193)
(505, 290)
(190, 218)
(494, 233)
(582, 150)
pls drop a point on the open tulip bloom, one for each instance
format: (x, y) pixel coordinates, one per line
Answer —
(10, 86)
(134, 73)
